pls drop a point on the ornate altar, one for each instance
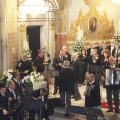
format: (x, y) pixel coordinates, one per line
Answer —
(94, 25)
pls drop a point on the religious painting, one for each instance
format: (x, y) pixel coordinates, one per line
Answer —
(92, 24)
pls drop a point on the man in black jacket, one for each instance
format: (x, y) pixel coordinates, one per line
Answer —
(3, 103)
(66, 82)
(112, 89)
(24, 66)
(58, 65)
(41, 95)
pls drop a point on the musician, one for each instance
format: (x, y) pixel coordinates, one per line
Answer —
(58, 65)
(112, 89)
(24, 66)
(41, 95)
(3, 103)
(92, 92)
(13, 97)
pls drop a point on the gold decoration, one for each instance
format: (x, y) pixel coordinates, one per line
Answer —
(94, 25)
(92, 3)
(51, 25)
(23, 27)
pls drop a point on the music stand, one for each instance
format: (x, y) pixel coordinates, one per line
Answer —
(33, 106)
(94, 114)
(77, 110)
(114, 117)
(19, 104)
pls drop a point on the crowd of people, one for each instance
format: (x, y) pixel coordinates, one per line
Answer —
(72, 72)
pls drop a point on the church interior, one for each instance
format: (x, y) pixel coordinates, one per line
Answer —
(27, 26)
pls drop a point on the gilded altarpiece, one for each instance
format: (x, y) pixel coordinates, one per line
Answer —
(94, 25)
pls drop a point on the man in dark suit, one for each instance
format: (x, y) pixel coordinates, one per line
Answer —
(24, 66)
(65, 82)
(115, 50)
(89, 50)
(111, 47)
(13, 97)
(58, 65)
(39, 60)
(77, 69)
(3, 103)
(41, 95)
(66, 54)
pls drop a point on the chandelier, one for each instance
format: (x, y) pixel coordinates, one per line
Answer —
(116, 1)
(34, 7)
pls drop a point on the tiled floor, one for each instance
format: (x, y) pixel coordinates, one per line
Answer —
(76, 103)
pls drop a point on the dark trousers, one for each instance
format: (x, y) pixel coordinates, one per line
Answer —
(116, 98)
(66, 98)
(56, 84)
(76, 91)
(3, 117)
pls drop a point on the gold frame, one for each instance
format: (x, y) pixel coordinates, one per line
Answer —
(104, 26)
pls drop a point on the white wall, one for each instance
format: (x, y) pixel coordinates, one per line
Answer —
(73, 7)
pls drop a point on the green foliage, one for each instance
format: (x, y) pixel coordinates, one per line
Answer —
(78, 46)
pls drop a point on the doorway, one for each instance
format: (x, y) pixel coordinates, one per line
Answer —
(33, 33)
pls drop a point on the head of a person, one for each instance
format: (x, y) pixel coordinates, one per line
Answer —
(74, 56)
(111, 60)
(118, 51)
(61, 53)
(95, 51)
(40, 53)
(2, 88)
(91, 45)
(64, 48)
(118, 57)
(66, 64)
(90, 77)
(24, 56)
(106, 53)
(117, 46)
(43, 91)
(11, 84)
(16, 75)
(83, 52)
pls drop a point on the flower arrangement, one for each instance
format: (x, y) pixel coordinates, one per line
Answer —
(79, 42)
(32, 81)
(26, 48)
(6, 76)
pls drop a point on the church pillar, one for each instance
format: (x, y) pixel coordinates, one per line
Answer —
(9, 33)
(52, 39)
(61, 25)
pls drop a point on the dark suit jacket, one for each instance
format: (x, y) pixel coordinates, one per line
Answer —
(39, 63)
(66, 80)
(68, 56)
(18, 88)
(27, 65)
(89, 51)
(56, 62)
(76, 66)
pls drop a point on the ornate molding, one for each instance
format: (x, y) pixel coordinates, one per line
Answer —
(94, 25)
(52, 25)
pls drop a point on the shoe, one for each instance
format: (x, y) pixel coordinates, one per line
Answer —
(117, 111)
(67, 115)
(110, 110)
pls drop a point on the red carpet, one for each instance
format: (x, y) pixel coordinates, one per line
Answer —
(105, 105)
